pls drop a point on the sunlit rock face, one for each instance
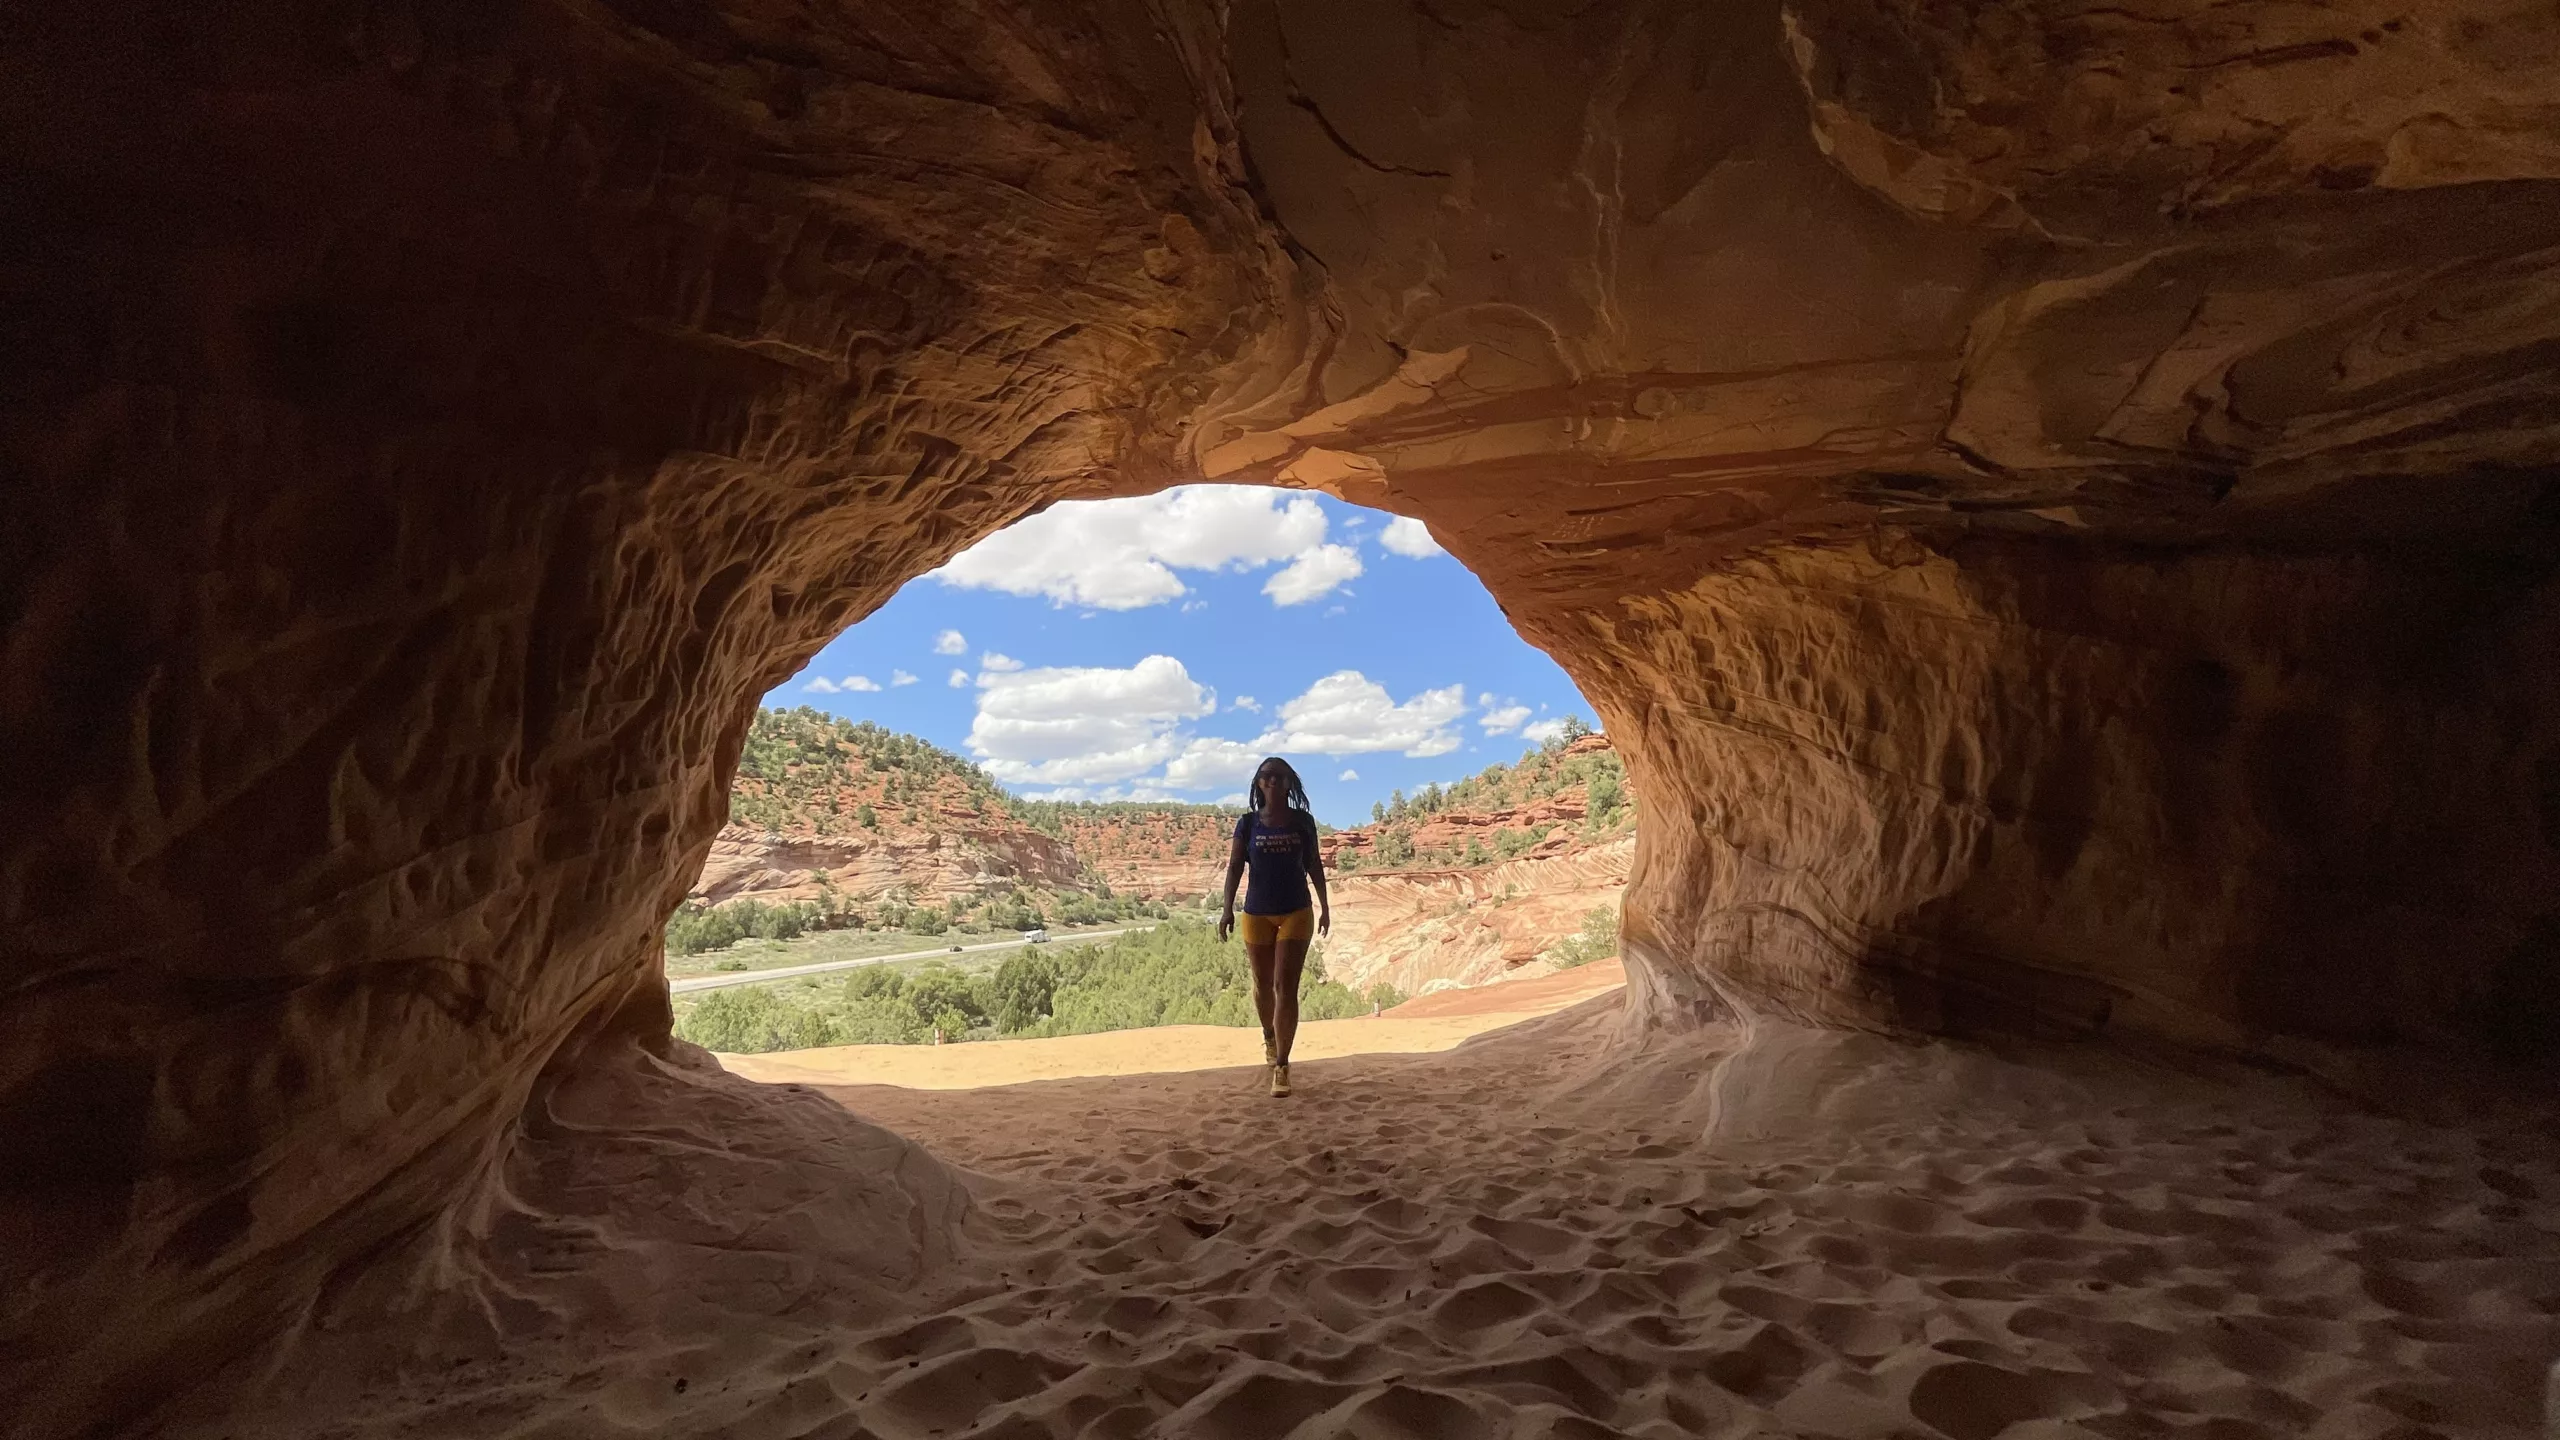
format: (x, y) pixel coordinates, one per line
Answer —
(2050, 500)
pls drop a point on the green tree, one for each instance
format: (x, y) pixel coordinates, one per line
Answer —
(694, 929)
(1021, 991)
(873, 982)
(937, 992)
(881, 1020)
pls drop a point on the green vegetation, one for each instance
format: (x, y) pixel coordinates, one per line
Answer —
(798, 766)
(694, 928)
(1538, 774)
(1597, 940)
(698, 929)
(1061, 819)
(1175, 974)
(803, 769)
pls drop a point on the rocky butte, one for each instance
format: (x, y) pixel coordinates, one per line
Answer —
(2054, 503)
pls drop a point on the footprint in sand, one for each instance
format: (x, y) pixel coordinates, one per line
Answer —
(1970, 1400)
(1484, 1305)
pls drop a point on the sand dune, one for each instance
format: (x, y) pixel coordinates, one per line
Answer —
(1774, 1232)
(1556, 1230)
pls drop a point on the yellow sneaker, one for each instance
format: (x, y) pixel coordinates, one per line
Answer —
(1280, 1078)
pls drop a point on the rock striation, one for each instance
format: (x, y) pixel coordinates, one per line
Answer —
(966, 862)
(2052, 501)
(1440, 925)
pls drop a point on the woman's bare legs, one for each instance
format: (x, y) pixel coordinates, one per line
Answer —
(1291, 962)
(1264, 960)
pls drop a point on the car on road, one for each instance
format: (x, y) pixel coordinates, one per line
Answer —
(955, 949)
(1036, 937)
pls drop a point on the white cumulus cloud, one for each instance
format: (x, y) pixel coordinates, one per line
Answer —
(1410, 537)
(1314, 574)
(999, 663)
(900, 677)
(1349, 775)
(1084, 725)
(950, 642)
(1347, 713)
(1122, 554)
(1101, 793)
(1504, 720)
(1543, 731)
(1206, 763)
(824, 686)
(959, 679)
(1245, 702)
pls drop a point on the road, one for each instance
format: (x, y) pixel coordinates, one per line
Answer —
(758, 977)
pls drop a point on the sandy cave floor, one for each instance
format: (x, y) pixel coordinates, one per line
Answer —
(1558, 1229)
(1527, 1236)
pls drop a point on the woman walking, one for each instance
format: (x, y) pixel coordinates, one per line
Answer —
(1276, 842)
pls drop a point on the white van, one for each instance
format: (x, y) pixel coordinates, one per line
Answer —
(1036, 937)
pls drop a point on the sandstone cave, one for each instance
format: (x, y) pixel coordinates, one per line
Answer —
(2055, 503)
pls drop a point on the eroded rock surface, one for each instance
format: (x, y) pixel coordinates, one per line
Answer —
(966, 862)
(1468, 925)
(2052, 499)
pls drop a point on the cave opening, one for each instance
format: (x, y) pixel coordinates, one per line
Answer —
(1050, 734)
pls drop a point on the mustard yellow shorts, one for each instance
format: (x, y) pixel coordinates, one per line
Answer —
(1272, 929)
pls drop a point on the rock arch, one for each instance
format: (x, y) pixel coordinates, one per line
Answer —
(2056, 509)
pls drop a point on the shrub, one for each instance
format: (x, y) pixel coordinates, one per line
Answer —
(938, 991)
(1597, 940)
(881, 1020)
(750, 1019)
(1176, 974)
(694, 929)
(1022, 990)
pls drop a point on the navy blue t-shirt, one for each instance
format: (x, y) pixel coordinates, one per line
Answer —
(1275, 858)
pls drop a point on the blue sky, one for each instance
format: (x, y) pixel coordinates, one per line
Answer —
(1157, 647)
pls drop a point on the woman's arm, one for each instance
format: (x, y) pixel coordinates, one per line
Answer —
(1235, 872)
(1315, 873)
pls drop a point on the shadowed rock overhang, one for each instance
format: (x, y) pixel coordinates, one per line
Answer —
(2053, 501)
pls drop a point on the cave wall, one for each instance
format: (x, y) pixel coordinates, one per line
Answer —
(2051, 550)
(428, 431)
(2068, 548)
(2249, 798)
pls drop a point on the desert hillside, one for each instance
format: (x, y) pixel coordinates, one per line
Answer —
(1514, 867)
(824, 808)
(1455, 884)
